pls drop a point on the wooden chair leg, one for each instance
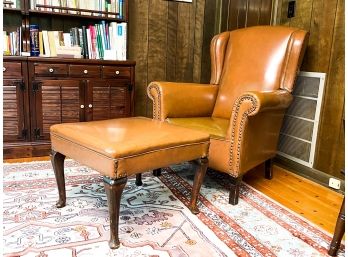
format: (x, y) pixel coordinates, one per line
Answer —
(57, 160)
(234, 191)
(113, 189)
(138, 181)
(157, 172)
(197, 183)
(269, 169)
(339, 231)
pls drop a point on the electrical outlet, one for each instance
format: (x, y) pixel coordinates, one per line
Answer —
(334, 183)
(291, 9)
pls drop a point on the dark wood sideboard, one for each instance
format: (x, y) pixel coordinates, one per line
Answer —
(40, 92)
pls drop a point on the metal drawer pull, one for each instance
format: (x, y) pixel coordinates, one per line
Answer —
(3, 69)
(90, 105)
(51, 70)
(117, 72)
(82, 106)
(85, 71)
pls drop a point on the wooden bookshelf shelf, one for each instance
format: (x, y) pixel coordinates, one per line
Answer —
(78, 10)
(77, 16)
(9, 9)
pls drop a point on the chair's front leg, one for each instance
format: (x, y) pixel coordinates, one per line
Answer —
(234, 190)
(113, 189)
(197, 183)
(57, 160)
(156, 172)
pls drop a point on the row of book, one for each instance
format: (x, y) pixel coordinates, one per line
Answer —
(12, 42)
(87, 7)
(15, 4)
(100, 41)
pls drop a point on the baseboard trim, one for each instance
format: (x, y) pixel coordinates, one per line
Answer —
(314, 175)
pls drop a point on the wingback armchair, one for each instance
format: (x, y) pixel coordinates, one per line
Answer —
(252, 75)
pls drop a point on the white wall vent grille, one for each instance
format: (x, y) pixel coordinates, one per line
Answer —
(298, 134)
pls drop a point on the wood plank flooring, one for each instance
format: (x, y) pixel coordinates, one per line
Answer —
(316, 203)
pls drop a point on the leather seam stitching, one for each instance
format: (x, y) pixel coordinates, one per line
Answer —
(129, 156)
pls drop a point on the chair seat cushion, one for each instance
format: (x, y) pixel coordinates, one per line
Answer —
(215, 127)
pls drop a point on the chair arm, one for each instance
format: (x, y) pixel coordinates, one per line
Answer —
(172, 99)
(254, 128)
(265, 101)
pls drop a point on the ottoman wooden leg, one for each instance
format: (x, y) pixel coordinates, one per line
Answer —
(138, 181)
(113, 189)
(57, 160)
(156, 172)
(197, 183)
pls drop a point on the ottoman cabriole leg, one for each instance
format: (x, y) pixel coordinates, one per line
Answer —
(57, 160)
(113, 189)
(197, 183)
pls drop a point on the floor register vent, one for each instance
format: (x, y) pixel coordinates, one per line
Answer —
(298, 134)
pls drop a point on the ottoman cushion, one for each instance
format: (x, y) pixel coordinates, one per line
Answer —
(123, 147)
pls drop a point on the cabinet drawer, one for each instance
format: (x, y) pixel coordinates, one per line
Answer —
(84, 71)
(12, 69)
(116, 72)
(51, 69)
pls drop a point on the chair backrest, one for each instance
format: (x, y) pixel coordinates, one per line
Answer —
(261, 58)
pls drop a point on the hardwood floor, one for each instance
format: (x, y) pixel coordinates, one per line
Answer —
(316, 203)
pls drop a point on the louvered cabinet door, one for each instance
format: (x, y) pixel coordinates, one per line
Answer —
(56, 101)
(107, 99)
(14, 125)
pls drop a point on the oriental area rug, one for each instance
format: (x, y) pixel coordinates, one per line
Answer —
(154, 219)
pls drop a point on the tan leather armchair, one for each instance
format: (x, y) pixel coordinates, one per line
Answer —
(252, 75)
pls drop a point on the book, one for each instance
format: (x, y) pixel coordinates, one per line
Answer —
(89, 43)
(94, 45)
(52, 44)
(46, 44)
(69, 51)
(100, 44)
(79, 31)
(34, 40)
(41, 44)
(67, 39)
(121, 41)
(85, 44)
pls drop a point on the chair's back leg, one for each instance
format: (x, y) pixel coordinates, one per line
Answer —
(269, 169)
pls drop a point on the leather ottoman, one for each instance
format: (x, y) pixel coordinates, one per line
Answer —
(119, 148)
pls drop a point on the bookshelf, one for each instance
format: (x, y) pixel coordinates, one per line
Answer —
(40, 91)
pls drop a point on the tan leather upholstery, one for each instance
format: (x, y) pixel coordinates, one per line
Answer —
(252, 75)
(122, 147)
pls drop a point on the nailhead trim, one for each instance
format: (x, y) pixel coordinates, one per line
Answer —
(235, 112)
(156, 104)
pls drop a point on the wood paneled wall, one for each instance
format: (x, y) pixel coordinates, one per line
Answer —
(244, 13)
(324, 19)
(165, 39)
